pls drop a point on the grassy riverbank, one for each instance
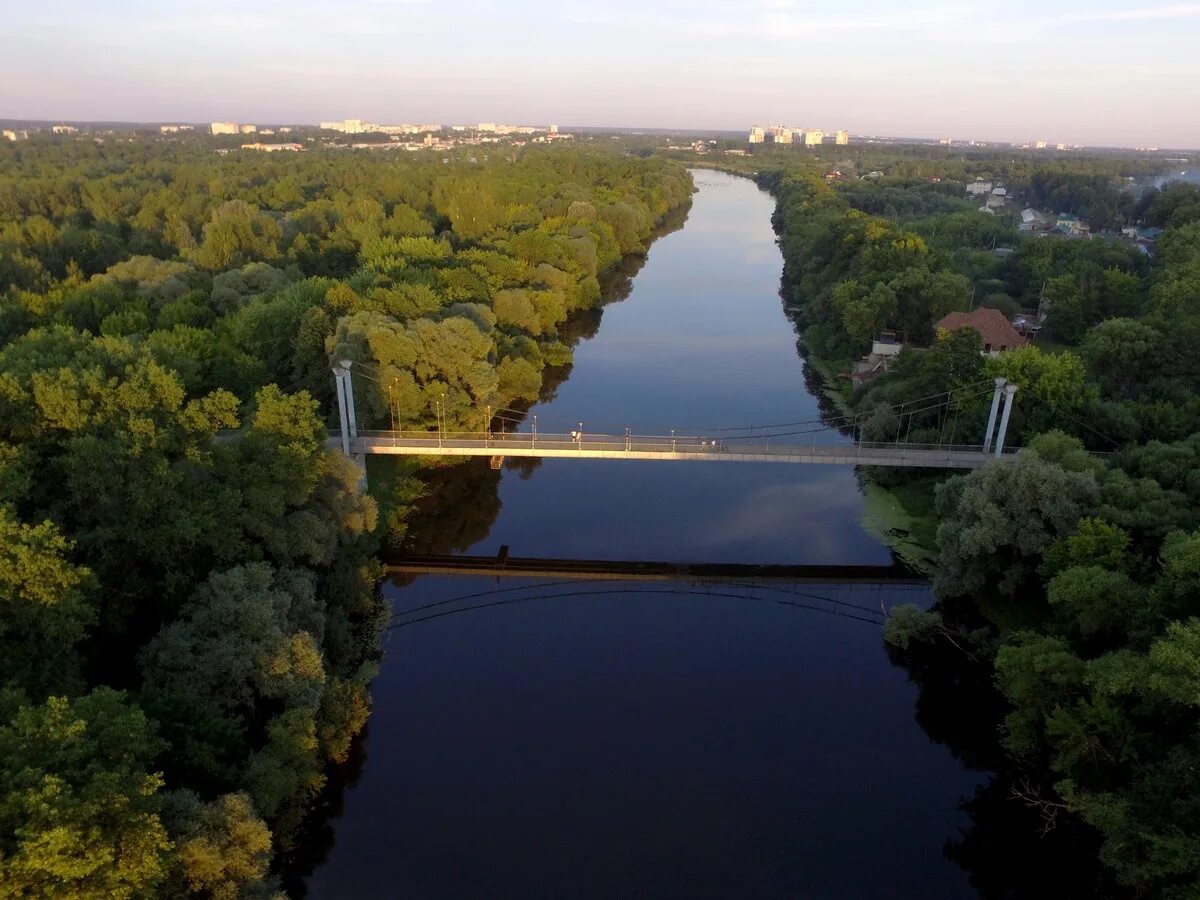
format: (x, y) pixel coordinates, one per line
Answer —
(903, 517)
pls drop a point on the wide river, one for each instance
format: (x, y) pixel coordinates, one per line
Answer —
(652, 740)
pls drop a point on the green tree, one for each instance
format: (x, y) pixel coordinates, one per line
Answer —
(1121, 355)
(864, 312)
(238, 233)
(1093, 600)
(997, 521)
(1094, 543)
(1058, 379)
(224, 848)
(245, 636)
(78, 806)
(45, 606)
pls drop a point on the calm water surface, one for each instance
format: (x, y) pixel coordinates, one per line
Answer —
(601, 739)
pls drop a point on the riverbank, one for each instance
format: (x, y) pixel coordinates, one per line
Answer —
(901, 515)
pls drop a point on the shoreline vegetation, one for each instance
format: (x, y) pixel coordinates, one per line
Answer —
(1060, 653)
(190, 626)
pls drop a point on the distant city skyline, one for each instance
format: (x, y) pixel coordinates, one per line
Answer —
(1090, 73)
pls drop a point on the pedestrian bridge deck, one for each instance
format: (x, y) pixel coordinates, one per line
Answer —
(674, 448)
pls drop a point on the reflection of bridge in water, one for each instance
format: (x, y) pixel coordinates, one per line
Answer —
(862, 593)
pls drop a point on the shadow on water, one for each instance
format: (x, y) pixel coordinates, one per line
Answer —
(1012, 848)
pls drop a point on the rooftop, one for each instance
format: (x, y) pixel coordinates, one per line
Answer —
(995, 330)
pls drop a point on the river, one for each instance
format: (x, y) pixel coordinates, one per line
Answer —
(642, 739)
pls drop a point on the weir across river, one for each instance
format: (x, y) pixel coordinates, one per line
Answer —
(504, 565)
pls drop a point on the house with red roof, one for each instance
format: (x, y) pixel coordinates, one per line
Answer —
(995, 331)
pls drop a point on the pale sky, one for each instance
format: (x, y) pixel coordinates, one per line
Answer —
(1098, 72)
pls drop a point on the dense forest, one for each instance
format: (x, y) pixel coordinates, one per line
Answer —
(189, 620)
(1067, 620)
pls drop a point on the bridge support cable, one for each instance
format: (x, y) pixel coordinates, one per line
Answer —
(513, 417)
(1115, 444)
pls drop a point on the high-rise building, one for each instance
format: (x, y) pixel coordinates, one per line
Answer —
(273, 148)
(224, 127)
(353, 126)
(757, 135)
(813, 137)
(247, 129)
(782, 135)
(843, 138)
(1039, 145)
(64, 129)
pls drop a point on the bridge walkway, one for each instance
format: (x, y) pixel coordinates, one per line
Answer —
(672, 448)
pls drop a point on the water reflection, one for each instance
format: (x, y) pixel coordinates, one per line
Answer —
(1008, 850)
(606, 741)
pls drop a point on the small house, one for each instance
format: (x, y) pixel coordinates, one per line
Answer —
(884, 349)
(996, 332)
(887, 344)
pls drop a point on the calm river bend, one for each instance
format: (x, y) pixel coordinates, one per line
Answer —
(637, 742)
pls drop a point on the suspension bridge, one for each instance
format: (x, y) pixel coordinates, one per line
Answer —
(788, 442)
(696, 449)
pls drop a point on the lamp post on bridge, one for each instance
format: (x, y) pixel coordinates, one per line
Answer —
(533, 440)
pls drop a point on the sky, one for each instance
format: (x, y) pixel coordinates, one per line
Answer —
(1097, 73)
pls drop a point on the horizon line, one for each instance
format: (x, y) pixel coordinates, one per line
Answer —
(621, 129)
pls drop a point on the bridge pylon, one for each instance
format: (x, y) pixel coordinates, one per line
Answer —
(345, 401)
(991, 425)
(1010, 391)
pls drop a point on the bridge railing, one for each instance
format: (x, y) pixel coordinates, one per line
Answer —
(680, 442)
(756, 444)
